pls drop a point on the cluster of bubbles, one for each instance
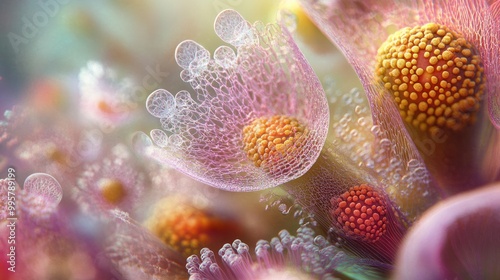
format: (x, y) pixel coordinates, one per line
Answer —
(369, 146)
(202, 132)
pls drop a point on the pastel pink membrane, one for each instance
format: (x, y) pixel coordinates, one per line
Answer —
(46, 243)
(112, 182)
(361, 153)
(137, 254)
(39, 206)
(267, 75)
(358, 28)
(456, 239)
(494, 99)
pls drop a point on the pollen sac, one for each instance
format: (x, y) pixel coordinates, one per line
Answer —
(435, 75)
(267, 140)
(361, 212)
(187, 228)
(112, 190)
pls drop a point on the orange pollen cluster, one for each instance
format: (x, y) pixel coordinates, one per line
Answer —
(185, 228)
(435, 76)
(361, 212)
(112, 190)
(269, 139)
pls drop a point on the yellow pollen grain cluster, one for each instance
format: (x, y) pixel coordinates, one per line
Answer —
(269, 139)
(112, 190)
(361, 212)
(435, 76)
(186, 228)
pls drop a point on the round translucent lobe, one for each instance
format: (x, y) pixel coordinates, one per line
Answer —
(232, 28)
(44, 185)
(435, 76)
(160, 103)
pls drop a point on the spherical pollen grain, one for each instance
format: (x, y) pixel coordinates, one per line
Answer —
(361, 213)
(267, 140)
(435, 76)
(112, 190)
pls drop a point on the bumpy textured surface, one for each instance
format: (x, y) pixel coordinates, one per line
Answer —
(434, 75)
(361, 212)
(4, 189)
(357, 152)
(267, 139)
(479, 21)
(187, 228)
(202, 132)
(360, 27)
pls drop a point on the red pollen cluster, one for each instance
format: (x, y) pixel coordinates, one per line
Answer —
(361, 212)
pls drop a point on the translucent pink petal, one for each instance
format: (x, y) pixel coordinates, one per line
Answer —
(318, 191)
(360, 152)
(46, 232)
(267, 75)
(458, 238)
(358, 28)
(493, 98)
(136, 254)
